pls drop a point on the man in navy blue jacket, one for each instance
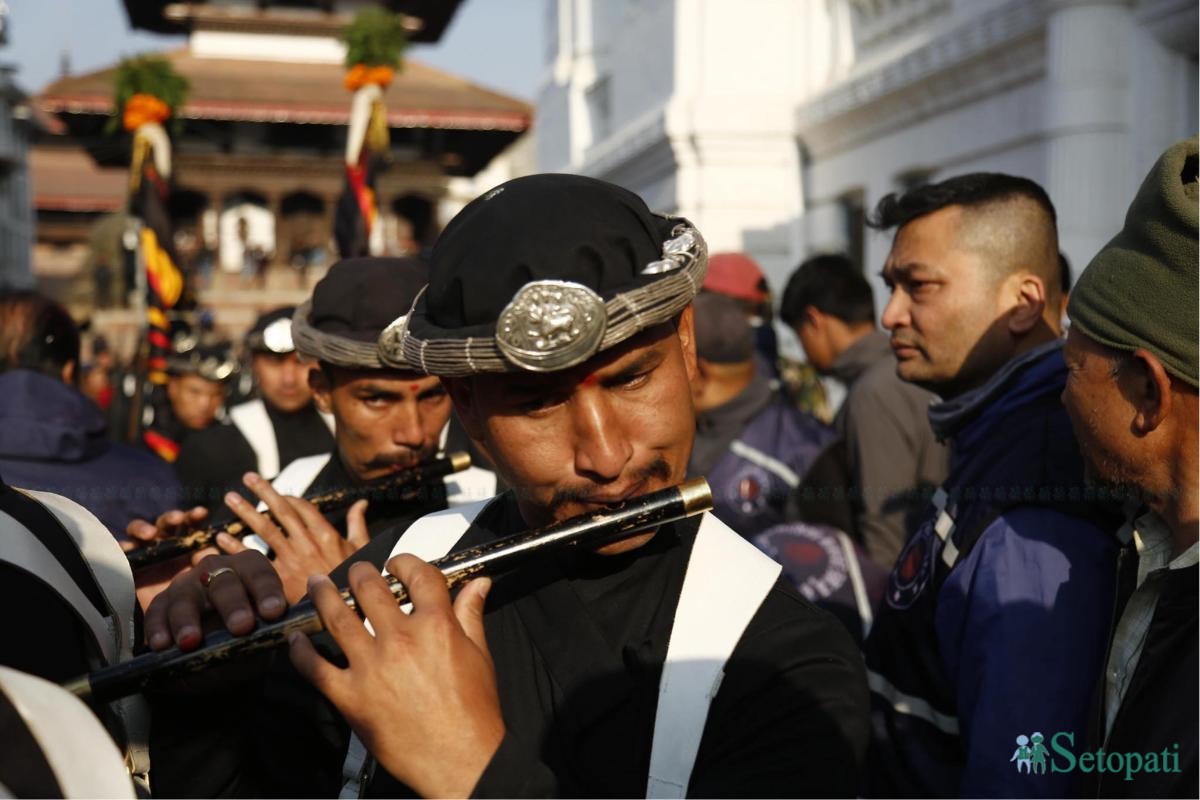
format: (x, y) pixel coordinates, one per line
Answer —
(752, 444)
(54, 438)
(995, 617)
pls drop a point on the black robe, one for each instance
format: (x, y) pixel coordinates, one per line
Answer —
(212, 462)
(578, 644)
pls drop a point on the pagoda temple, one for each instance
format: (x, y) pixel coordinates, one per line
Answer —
(258, 148)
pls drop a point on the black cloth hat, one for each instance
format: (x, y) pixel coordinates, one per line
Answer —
(272, 332)
(543, 272)
(212, 361)
(352, 305)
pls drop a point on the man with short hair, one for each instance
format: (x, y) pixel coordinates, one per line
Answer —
(998, 607)
(558, 312)
(1132, 398)
(265, 434)
(890, 454)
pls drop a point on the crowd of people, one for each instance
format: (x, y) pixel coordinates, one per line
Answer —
(992, 544)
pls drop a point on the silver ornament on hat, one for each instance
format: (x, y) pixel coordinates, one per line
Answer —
(680, 251)
(391, 340)
(551, 325)
(277, 337)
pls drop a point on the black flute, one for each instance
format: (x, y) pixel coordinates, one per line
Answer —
(595, 529)
(407, 483)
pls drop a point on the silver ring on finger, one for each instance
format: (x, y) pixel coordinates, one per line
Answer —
(206, 578)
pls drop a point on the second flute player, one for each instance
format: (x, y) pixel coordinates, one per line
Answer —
(558, 314)
(386, 418)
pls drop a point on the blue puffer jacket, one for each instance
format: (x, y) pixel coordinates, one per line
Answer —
(995, 619)
(52, 438)
(752, 479)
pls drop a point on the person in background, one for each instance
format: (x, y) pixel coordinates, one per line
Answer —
(738, 276)
(1131, 395)
(997, 611)
(55, 439)
(196, 388)
(751, 444)
(265, 434)
(385, 419)
(887, 456)
(755, 448)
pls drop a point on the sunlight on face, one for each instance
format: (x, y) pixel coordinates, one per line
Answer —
(573, 441)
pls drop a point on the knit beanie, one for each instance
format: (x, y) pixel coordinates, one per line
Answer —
(1141, 289)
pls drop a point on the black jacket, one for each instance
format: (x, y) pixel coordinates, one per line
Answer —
(1159, 709)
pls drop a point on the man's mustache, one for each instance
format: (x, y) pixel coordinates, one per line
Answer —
(387, 462)
(656, 469)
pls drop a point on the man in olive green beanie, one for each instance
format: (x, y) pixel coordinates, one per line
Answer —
(1132, 398)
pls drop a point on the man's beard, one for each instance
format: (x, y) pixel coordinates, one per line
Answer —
(1111, 484)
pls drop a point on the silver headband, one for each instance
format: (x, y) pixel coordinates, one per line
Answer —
(338, 350)
(275, 338)
(551, 325)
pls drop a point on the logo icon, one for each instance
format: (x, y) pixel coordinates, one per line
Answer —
(914, 569)
(1030, 753)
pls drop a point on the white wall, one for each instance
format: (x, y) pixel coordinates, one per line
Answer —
(1080, 97)
(758, 118)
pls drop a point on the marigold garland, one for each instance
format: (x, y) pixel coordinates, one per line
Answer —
(146, 89)
(375, 42)
(143, 108)
(361, 74)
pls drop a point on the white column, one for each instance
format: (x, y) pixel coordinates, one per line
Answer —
(1088, 60)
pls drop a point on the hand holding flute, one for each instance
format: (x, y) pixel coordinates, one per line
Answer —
(303, 541)
(420, 692)
(411, 483)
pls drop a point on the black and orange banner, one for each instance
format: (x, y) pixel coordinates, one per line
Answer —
(357, 212)
(164, 280)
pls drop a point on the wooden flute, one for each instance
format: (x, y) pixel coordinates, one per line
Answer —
(595, 529)
(405, 485)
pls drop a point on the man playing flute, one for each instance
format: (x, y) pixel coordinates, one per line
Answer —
(558, 316)
(385, 419)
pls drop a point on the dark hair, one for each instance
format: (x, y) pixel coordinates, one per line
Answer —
(973, 189)
(36, 333)
(1064, 273)
(831, 284)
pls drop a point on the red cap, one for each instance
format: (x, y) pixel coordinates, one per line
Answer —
(736, 275)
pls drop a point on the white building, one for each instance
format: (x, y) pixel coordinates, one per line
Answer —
(775, 124)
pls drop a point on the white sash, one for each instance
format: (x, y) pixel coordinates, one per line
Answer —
(82, 757)
(708, 625)
(251, 419)
(428, 538)
(110, 568)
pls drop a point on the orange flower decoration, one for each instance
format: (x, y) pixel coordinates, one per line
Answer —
(143, 108)
(361, 74)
